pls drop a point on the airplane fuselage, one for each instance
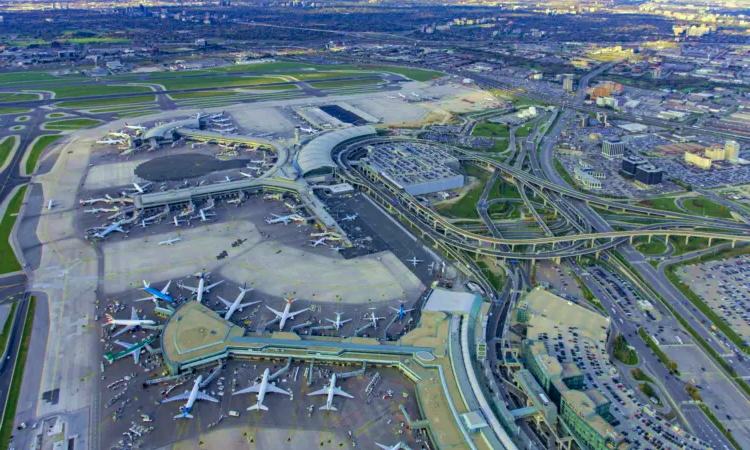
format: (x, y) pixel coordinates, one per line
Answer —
(263, 386)
(199, 295)
(284, 315)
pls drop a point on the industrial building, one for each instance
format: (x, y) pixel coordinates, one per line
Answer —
(613, 148)
(418, 168)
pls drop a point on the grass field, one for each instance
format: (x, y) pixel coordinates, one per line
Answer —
(489, 129)
(86, 90)
(13, 110)
(217, 81)
(126, 114)
(17, 76)
(5, 147)
(670, 365)
(9, 263)
(640, 375)
(6, 326)
(70, 124)
(36, 150)
(664, 204)
(14, 390)
(563, 172)
(525, 130)
(623, 352)
(17, 97)
(107, 102)
(56, 115)
(343, 83)
(23, 118)
(655, 247)
(466, 207)
(706, 207)
(202, 94)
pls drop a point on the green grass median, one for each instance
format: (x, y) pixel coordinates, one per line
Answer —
(84, 104)
(14, 390)
(70, 124)
(6, 327)
(9, 263)
(17, 97)
(37, 148)
(668, 362)
(6, 146)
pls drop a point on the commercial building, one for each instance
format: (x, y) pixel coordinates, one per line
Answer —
(716, 153)
(613, 148)
(568, 83)
(607, 102)
(697, 160)
(314, 161)
(648, 175)
(587, 179)
(630, 163)
(732, 149)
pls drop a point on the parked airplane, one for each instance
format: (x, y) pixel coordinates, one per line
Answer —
(92, 200)
(130, 349)
(225, 180)
(337, 249)
(398, 446)
(401, 311)
(414, 261)
(321, 241)
(108, 141)
(247, 175)
(350, 218)
(308, 130)
(202, 288)
(105, 231)
(216, 116)
(280, 219)
(139, 188)
(120, 135)
(223, 130)
(171, 241)
(374, 319)
(135, 127)
(221, 120)
(286, 315)
(99, 210)
(127, 324)
(401, 95)
(262, 388)
(191, 396)
(51, 204)
(235, 305)
(177, 221)
(338, 322)
(156, 294)
(203, 215)
(330, 391)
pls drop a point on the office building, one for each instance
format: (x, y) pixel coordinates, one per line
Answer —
(732, 150)
(630, 163)
(716, 153)
(657, 72)
(613, 148)
(568, 83)
(648, 175)
(607, 102)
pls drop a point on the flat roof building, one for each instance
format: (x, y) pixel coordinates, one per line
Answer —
(314, 160)
(648, 175)
(613, 148)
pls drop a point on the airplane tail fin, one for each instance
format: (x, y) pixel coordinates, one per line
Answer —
(183, 416)
(328, 408)
(258, 406)
(110, 357)
(108, 319)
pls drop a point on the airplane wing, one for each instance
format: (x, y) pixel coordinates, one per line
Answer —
(249, 390)
(226, 302)
(133, 314)
(123, 344)
(245, 305)
(166, 288)
(345, 321)
(323, 391)
(123, 330)
(136, 355)
(191, 289)
(395, 309)
(184, 396)
(332, 321)
(272, 388)
(340, 392)
(204, 396)
(408, 310)
(208, 288)
(292, 314)
(274, 311)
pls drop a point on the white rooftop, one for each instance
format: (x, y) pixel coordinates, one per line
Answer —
(449, 301)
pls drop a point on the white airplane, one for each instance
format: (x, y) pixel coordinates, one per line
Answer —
(415, 94)
(246, 175)
(401, 95)
(177, 221)
(262, 389)
(337, 249)
(139, 188)
(105, 231)
(127, 324)
(135, 127)
(191, 396)
(136, 349)
(110, 141)
(330, 391)
(221, 120)
(202, 288)
(280, 219)
(374, 319)
(171, 241)
(224, 130)
(401, 311)
(350, 218)
(204, 215)
(286, 315)
(216, 116)
(235, 305)
(118, 134)
(98, 210)
(414, 261)
(51, 204)
(321, 241)
(265, 134)
(308, 130)
(92, 200)
(338, 322)
(226, 180)
(398, 446)
(163, 294)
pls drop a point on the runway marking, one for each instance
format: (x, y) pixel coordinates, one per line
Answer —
(182, 427)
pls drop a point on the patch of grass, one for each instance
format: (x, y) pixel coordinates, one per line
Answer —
(525, 130)
(670, 364)
(649, 390)
(342, 83)
(663, 204)
(655, 247)
(9, 263)
(70, 124)
(84, 104)
(17, 97)
(56, 115)
(495, 280)
(217, 81)
(500, 146)
(623, 352)
(6, 327)
(706, 207)
(414, 74)
(16, 76)
(489, 129)
(36, 150)
(563, 172)
(693, 392)
(589, 297)
(6, 145)
(640, 375)
(203, 94)
(86, 90)
(14, 390)
(466, 207)
(693, 244)
(126, 114)
(4, 111)
(23, 118)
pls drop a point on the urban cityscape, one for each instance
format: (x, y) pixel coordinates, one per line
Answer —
(323, 225)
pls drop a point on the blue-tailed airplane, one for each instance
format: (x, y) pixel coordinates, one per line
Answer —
(155, 294)
(401, 311)
(191, 396)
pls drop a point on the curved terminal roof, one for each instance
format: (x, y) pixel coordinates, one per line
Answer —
(160, 131)
(317, 153)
